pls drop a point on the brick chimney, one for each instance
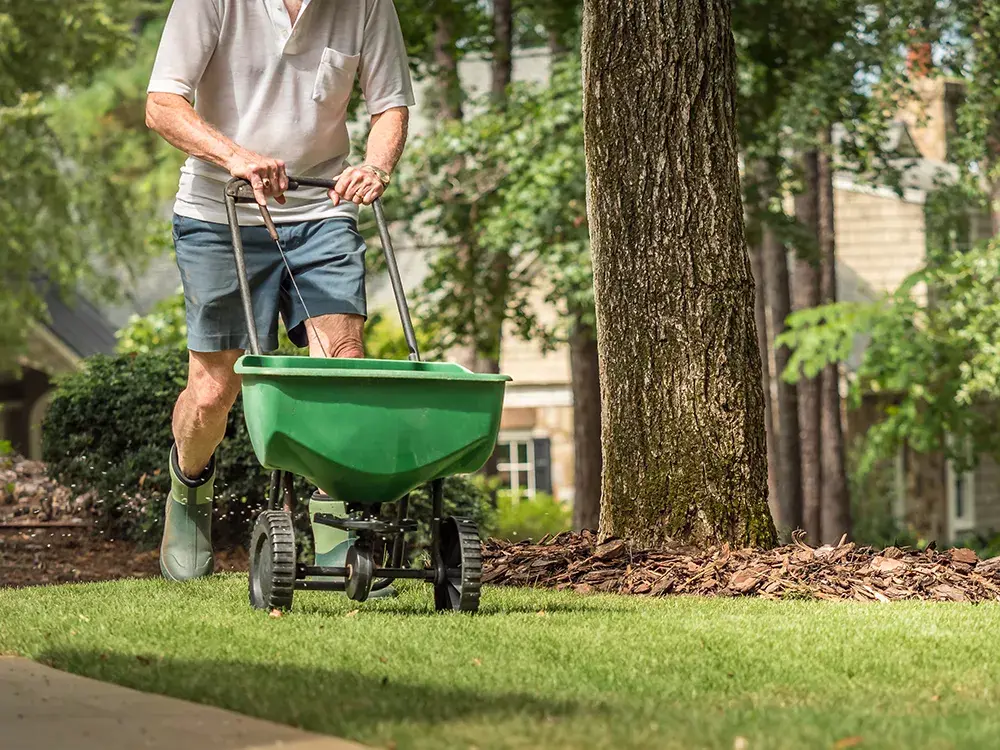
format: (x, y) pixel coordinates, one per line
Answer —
(930, 118)
(919, 58)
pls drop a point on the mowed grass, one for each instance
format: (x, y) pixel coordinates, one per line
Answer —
(538, 669)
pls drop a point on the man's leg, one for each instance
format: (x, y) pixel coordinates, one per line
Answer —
(199, 425)
(337, 335)
(203, 408)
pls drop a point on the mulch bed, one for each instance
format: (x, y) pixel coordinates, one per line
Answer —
(47, 535)
(585, 564)
(43, 556)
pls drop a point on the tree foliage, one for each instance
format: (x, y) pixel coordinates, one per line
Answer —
(518, 174)
(931, 345)
(61, 212)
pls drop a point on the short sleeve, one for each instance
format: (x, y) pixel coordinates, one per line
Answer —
(384, 67)
(189, 39)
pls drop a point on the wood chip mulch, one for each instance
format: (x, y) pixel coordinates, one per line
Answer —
(583, 563)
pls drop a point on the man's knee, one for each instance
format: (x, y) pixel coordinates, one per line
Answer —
(341, 336)
(212, 386)
(348, 348)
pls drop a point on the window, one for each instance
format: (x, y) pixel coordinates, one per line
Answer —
(516, 464)
(523, 464)
(961, 492)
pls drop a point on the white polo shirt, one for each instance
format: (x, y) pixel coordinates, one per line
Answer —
(279, 90)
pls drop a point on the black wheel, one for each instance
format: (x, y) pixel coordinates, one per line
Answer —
(360, 572)
(460, 569)
(272, 561)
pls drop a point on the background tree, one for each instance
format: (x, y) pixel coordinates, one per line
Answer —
(936, 352)
(683, 429)
(47, 192)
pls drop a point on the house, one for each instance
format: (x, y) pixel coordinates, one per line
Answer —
(76, 329)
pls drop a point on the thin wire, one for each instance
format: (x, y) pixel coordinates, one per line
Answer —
(309, 318)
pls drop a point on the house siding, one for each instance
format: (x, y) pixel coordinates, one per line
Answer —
(987, 496)
(880, 241)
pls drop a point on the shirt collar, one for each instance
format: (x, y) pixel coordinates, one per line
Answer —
(285, 33)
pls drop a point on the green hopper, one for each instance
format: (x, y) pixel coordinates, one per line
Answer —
(368, 431)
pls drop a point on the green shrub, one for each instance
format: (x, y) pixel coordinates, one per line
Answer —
(529, 518)
(108, 430)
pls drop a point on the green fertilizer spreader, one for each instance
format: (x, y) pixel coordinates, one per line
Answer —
(366, 432)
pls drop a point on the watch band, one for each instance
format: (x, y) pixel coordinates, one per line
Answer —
(380, 173)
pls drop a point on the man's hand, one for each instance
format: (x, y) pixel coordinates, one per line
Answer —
(266, 175)
(358, 184)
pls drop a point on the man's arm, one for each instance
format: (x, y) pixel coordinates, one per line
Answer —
(173, 117)
(385, 146)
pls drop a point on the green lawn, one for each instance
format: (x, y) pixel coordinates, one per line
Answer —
(538, 669)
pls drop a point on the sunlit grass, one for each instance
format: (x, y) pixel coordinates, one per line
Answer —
(537, 669)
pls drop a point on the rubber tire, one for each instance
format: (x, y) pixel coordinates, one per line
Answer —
(361, 573)
(461, 549)
(272, 561)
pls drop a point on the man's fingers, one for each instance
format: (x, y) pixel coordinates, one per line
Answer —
(344, 183)
(357, 183)
(334, 196)
(258, 186)
(375, 192)
(273, 179)
(368, 191)
(282, 176)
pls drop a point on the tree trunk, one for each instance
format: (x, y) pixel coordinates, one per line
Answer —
(760, 316)
(503, 42)
(449, 86)
(557, 48)
(584, 366)
(807, 295)
(789, 465)
(682, 408)
(995, 207)
(488, 356)
(448, 98)
(836, 497)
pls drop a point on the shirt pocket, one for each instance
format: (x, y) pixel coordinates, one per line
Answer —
(335, 78)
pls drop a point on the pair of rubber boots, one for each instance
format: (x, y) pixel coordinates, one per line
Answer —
(186, 549)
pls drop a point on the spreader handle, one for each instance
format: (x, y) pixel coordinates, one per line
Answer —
(240, 191)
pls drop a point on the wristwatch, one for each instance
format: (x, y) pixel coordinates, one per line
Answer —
(380, 173)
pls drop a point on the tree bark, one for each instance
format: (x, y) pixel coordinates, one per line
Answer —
(760, 317)
(488, 360)
(557, 48)
(449, 86)
(584, 366)
(682, 407)
(448, 99)
(807, 295)
(836, 497)
(503, 44)
(995, 208)
(779, 299)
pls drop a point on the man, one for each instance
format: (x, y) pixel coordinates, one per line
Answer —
(270, 81)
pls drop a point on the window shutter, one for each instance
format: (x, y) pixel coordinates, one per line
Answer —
(543, 465)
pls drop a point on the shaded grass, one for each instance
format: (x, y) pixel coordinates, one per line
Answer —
(592, 672)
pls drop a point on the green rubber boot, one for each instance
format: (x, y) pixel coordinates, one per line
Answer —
(186, 549)
(331, 544)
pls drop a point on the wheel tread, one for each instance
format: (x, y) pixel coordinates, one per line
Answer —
(277, 527)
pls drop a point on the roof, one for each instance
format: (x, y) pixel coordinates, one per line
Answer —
(79, 325)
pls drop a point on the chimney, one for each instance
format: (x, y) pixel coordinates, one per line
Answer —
(919, 58)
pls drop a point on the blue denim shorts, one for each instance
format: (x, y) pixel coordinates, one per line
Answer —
(327, 258)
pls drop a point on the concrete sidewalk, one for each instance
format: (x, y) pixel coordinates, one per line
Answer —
(45, 709)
